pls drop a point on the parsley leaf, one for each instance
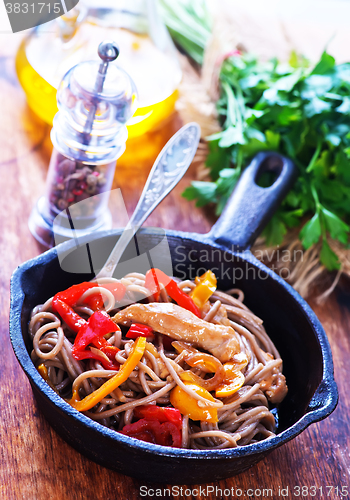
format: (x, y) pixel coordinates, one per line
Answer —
(328, 257)
(203, 192)
(275, 231)
(336, 227)
(311, 232)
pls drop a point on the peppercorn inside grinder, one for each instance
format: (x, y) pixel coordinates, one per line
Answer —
(88, 135)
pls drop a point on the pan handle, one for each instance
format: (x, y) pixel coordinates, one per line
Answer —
(325, 398)
(250, 207)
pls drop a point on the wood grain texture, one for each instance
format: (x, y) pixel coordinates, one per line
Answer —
(35, 463)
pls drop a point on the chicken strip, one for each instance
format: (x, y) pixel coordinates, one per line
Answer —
(181, 324)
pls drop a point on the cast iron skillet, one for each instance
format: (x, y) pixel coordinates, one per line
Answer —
(289, 321)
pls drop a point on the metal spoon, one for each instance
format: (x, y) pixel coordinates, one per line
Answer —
(168, 169)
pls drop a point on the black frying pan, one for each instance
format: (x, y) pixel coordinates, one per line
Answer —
(289, 321)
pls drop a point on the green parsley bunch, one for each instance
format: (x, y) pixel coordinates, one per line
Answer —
(300, 111)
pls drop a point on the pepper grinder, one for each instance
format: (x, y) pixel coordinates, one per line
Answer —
(88, 135)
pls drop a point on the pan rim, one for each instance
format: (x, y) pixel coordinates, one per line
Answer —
(312, 416)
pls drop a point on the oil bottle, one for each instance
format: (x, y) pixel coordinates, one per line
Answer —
(147, 53)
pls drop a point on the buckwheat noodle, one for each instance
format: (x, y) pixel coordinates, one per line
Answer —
(243, 418)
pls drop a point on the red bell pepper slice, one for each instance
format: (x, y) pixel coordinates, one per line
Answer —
(108, 365)
(100, 343)
(118, 289)
(169, 435)
(69, 316)
(99, 324)
(144, 435)
(152, 431)
(159, 413)
(152, 282)
(73, 294)
(108, 349)
(95, 301)
(155, 277)
(138, 330)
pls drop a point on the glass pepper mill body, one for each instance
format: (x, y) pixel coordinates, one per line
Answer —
(95, 101)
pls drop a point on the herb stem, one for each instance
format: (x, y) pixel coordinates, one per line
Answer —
(315, 156)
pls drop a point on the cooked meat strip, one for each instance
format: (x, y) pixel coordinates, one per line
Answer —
(180, 324)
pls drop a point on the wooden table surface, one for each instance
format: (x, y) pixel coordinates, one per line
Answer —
(35, 463)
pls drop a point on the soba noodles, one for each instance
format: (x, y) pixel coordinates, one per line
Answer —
(169, 371)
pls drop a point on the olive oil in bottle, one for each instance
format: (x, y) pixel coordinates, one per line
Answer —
(147, 54)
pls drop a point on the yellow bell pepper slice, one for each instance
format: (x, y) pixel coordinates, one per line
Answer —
(206, 286)
(188, 376)
(231, 387)
(121, 376)
(232, 368)
(187, 405)
(45, 375)
(204, 361)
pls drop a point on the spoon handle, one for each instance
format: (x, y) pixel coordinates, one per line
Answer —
(168, 169)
